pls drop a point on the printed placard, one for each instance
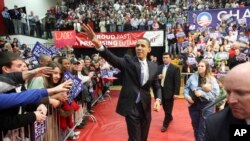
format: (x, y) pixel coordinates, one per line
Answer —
(170, 36)
(242, 21)
(76, 88)
(185, 44)
(180, 34)
(39, 49)
(243, 39)
(40, 128)
(191, 60)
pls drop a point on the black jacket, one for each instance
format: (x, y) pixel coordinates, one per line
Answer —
(130, 72)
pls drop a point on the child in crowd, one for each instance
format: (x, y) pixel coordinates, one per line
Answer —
(220, 105)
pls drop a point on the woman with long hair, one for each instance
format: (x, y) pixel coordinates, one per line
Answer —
(53, 80)
(200, 90)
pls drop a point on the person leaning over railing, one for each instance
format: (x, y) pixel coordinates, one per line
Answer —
(10, 62)
(27, 97)
(53, 80)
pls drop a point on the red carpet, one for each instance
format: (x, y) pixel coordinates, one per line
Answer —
(110, 126)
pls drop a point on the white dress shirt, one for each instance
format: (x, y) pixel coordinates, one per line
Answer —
(144, 71)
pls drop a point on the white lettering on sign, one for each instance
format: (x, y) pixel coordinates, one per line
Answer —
(235, 14)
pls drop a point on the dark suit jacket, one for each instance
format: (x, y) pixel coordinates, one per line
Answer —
(218, 125)
(172, 81)
(131, 87)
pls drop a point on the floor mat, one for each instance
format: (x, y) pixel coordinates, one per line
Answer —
(110, 126)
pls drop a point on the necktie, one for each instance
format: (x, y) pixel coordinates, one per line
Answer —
(138, 99)
(142, 73)
(164, 70)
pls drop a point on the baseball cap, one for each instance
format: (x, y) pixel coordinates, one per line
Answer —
(75, 61)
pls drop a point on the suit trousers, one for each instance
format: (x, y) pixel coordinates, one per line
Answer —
(137, 124)
(168, 108)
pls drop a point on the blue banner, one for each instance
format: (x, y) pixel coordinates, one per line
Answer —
(40, 49)
(211, 18)
(76, 88)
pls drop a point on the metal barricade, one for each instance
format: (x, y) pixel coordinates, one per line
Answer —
(52, 130)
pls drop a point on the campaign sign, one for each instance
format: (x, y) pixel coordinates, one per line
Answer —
(40, 49)
(31, 60)
(243, 39)
(104, 73)
(55, 50)
(223, 55)
(242, 21)
(185, 44)
(170, 36)
(68, 76)
(64, 38)
(180, 34)
(76, 88)
(210, 18)
(191, 60)
(214, 35)
(40, 128)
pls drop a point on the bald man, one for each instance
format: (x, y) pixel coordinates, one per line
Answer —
(237, 85)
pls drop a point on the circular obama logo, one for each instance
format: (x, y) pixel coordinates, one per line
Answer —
(204, 19)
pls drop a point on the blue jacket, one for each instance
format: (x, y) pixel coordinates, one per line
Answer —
(192, 85)
(22, 98)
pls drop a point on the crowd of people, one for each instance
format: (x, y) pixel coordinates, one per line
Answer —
(47, 79)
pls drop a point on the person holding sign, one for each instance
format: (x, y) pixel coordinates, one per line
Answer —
(181, 36)
(172, 43)
(10, 119)
(139, 75)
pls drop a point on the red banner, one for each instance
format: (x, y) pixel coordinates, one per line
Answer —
(64, 38)
(111, 39)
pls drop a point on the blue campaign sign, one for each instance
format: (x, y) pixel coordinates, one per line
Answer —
(55, 50)
(40, 128)
(104, 73)
(68, 76)
(76, 88)
(211, 18)
(40, 49)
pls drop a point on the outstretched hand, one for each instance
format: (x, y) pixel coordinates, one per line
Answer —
(91, 35)
(64, 87)
(42, 71)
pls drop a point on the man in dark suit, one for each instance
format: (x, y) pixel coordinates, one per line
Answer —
(138, 75)
(170, 80)
(238, 112)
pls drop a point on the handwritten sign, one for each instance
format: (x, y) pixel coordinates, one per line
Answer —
(64, 38)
